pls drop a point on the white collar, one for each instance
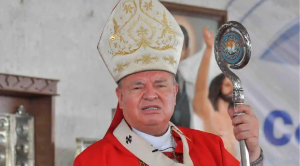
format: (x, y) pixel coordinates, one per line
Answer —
(161, 143)
(144, 151)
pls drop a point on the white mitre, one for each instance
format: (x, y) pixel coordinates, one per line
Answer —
(140, 35)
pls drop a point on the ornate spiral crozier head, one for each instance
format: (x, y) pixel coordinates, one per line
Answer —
(233, 49)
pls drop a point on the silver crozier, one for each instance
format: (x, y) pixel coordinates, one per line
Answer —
(233, 49)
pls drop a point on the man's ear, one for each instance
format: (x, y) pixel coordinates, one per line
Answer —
(187, 52)
(175, 90)
(120, 97)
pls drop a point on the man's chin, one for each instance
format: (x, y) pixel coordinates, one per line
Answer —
(227, 98)
(153, 121)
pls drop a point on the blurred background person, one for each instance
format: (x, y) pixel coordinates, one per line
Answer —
(182, 113)
(211, 103)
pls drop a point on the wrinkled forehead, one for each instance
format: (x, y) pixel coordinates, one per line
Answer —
(148, 76)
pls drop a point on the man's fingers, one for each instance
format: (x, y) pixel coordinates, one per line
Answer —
(211, 33)
(241, 128)
(241, 119)
(231, 112)
(244, 108)
(245, 135)
(205, 29)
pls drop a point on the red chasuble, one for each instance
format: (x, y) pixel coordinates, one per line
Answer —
(204, 150)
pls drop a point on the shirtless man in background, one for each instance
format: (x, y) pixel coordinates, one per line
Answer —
(211, 103)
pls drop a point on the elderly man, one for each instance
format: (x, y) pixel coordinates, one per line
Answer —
(141, 46)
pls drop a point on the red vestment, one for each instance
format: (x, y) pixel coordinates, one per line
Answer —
(204, 149)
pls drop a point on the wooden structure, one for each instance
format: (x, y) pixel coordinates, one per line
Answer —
(36, 95)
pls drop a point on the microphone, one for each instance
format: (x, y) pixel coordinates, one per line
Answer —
(155, 150)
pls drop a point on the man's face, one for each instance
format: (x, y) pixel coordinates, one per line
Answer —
(226, 91)
(147, 98)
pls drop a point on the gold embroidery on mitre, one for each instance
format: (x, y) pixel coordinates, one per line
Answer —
(121, 66)
(170, 60)
(164, 23)
(148, 5)
(146, 59)
(128, 10)
(143, 35)
(147, 29)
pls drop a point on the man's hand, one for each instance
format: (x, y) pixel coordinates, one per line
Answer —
(208, 37)
(246, 128)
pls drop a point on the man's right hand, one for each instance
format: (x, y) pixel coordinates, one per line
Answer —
(208, 37)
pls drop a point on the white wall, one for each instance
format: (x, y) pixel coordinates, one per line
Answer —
(57, 39)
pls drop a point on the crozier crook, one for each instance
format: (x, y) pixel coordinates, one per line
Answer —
(233, 48)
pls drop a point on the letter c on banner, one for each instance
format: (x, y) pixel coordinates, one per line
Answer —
(269, 127)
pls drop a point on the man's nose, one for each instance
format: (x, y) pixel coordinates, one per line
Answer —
(150, 94)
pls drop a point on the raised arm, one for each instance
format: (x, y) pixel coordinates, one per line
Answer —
(201, 104)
